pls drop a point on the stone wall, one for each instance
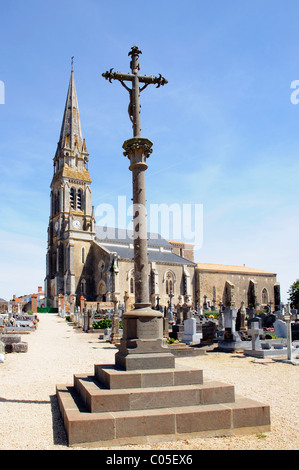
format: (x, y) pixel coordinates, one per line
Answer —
(235, 287)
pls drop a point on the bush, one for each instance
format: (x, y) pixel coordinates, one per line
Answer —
(170, 340)
(102, 324)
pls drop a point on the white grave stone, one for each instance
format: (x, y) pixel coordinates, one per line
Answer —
(280, 328)
(190, 335)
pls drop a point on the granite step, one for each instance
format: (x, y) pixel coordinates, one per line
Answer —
(113, 428)
(97, 398)
(113, 378)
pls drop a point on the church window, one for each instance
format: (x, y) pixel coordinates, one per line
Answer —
(264, 296)
(79, 200)
(169, 283)
(72, 198)
(83, 254)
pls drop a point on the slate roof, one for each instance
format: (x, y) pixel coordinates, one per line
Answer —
(121, 242)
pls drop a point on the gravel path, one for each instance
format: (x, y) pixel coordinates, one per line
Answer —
(30, 417)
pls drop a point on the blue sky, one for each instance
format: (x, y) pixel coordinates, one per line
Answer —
(225, 132)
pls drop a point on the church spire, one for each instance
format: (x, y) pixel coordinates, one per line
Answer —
(71, 134)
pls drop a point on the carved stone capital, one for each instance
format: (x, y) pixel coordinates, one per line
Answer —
(137, 149)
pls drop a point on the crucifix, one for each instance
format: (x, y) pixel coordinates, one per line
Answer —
(134, 92)
(142, 345)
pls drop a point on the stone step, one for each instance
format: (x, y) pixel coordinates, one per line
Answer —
(113, 378)
(243, 416)
(100, 399)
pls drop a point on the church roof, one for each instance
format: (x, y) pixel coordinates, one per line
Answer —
(230, 269)
(121, 241)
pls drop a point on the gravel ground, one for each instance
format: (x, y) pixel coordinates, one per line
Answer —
(30, 417)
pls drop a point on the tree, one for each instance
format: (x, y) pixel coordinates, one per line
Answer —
(294, 294)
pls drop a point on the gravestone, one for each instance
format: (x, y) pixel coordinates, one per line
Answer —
(255, 331)
(13, 343)
(190, 335)
(280, 328)
(232, 339)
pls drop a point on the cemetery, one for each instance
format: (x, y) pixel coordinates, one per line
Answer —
(189, 333)
(12, 327)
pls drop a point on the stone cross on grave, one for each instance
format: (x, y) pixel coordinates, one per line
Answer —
(142, 345)
(255, 333)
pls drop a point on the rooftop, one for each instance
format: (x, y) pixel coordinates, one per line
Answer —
(230, 268)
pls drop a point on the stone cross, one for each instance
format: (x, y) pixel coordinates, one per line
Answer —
(134, 92)
(288, 319)
(142, 345)
(255, 332)
(137, 150)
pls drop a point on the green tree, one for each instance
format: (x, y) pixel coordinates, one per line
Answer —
(294, 294)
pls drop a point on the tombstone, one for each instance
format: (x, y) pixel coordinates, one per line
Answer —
(169, 314)
(242, 316)
(209, 331)
(87, 321)
(115, 333)
(251, 313)
(220, 317)
(255, 331)
(165, 327)
(232, 339)
(280, 328)
(190, 335)
(230, 315)
(269, 321)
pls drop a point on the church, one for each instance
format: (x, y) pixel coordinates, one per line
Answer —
(97, 263)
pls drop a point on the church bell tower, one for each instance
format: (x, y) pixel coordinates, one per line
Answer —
(71, 223)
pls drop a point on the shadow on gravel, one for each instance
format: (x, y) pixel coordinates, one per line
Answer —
(59, 434)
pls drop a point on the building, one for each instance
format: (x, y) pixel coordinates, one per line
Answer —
(231, 285)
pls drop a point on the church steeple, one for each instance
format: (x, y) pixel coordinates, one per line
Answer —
(71, 155)
(71, 133)
(72, 225)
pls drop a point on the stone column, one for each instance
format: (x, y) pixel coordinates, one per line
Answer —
(34, 303)
(142, 345)
(115, 335)
(82, 301)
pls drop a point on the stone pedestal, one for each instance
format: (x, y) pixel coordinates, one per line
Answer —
(115, 407)
(143, 345)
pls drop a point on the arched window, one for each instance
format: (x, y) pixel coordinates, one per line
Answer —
(79, 199)
(169, 284)
(265, 297)
(72, 198)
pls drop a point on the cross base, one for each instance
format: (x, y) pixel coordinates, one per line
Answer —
(143, 345)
